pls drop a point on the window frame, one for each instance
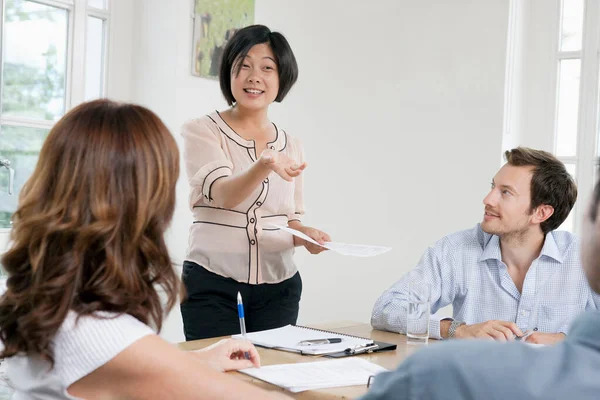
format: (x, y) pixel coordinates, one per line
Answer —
(587, 120)
(78, 12)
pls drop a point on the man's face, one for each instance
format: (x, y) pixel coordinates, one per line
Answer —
(590, 246)
(507, 206)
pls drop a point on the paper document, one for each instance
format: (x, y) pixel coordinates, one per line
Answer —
(356, 250)
(317, 375)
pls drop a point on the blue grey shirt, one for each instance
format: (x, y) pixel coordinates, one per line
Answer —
(488, 370)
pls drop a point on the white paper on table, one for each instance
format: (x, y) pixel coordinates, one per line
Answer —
(356, 250)
(317, 375)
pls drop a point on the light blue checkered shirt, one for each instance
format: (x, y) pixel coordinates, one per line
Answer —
(465, 269)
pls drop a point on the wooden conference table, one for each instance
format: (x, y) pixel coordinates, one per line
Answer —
(387, 359)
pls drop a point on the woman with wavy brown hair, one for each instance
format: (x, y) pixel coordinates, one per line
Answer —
(87, 261)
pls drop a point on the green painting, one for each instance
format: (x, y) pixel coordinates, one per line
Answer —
(215, 21)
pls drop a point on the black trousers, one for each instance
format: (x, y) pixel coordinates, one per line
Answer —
(210, 308)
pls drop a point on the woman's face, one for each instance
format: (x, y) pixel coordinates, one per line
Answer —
(257, 84)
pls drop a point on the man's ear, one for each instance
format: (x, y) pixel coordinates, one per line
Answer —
(542, 213)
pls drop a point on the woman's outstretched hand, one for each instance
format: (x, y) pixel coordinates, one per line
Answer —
(281, 164)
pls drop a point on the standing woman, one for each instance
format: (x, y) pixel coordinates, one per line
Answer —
(245, 174)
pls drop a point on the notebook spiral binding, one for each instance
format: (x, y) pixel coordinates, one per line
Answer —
(334, 333)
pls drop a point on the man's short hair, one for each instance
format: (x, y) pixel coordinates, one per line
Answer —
(237, 48)
(551, 183)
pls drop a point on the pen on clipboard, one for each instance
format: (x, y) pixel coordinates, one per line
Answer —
(316, 342)
(369, 348)
(240, 307)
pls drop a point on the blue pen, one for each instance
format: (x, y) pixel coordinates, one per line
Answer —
(242, 321)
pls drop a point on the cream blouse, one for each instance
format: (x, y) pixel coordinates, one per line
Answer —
(239, 243)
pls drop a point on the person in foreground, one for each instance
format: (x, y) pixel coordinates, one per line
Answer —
(86, 264)
(490, 370)
(510, 274)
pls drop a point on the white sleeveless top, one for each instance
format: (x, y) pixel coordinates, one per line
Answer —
(79, 349)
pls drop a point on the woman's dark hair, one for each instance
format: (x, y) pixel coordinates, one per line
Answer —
(237, 48)
(88, 232)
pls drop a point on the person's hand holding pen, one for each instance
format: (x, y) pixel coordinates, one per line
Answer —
(315, 234)
(228, 355)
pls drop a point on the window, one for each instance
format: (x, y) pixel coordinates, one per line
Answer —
(53, 58)
(552, 86)
(576, 115)
(568, 64)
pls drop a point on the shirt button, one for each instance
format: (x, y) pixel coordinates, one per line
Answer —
(252, 220)
(524, 313)
(272, 147)
(267, 180)
(535, 329)
(258, 203)
(253, 242)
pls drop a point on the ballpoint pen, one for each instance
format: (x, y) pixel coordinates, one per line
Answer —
(240, 306)
(368, 348)
(315, 342)
(524, 336)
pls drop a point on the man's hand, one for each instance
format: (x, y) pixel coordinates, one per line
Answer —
(501, 331)
(545, 338)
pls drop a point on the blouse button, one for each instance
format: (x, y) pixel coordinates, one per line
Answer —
(258, 203)
(267, 180)
(253, 242)
(252, 220)
(535, 329)
(272, 147)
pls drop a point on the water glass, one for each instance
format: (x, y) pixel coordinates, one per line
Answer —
(417, 324)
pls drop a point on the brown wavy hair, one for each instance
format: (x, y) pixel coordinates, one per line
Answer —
(88, 232)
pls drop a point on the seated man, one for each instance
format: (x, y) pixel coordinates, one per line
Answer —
(511, 273)
(484, 370)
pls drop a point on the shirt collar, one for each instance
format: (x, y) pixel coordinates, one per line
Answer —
(550, 248)
(492, 251)
(279, 144)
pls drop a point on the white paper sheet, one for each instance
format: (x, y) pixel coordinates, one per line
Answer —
(317, 375)
(356, 250)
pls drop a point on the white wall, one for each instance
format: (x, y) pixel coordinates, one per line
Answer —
(534, 100)
(400, 107)
(120, 47)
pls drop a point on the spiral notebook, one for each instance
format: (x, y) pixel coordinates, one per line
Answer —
(288, 338)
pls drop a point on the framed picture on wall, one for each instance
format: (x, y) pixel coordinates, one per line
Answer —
(215, 21)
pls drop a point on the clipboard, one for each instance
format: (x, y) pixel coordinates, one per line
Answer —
(288, 337)
(374, 348)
